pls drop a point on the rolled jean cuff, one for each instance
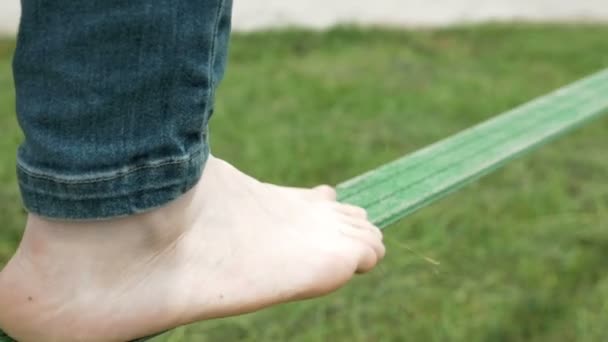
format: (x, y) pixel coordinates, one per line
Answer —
(123, 192)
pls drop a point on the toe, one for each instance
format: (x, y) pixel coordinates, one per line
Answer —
(325, 192)
(366, 225)
(370, 239)
(369, 259)
(352, 211)
(363, 224)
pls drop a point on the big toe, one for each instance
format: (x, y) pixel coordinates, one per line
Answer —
(325, 192)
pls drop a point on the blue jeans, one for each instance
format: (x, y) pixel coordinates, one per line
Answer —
(114, 98)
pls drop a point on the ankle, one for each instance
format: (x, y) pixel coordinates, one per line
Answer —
(139, 234)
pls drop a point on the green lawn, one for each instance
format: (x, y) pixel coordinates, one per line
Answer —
(523, 253)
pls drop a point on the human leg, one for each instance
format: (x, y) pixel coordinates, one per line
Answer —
(225, 245)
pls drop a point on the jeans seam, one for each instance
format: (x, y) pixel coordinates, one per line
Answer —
(119, 174)
(211, 62)
(72, 197)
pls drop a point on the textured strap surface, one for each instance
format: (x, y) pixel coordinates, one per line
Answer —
(399, 188)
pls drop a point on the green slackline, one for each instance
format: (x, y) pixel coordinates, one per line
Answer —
(399, 188)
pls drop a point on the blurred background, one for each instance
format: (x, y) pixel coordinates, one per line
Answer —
(523, 253)
(256, 14)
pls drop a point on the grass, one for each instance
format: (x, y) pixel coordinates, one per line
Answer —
(523, 253)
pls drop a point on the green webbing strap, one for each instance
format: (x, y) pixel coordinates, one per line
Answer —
(399, 188)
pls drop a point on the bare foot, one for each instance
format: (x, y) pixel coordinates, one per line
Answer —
(229, 246)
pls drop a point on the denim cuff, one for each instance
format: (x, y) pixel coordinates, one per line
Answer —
(120, 193)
